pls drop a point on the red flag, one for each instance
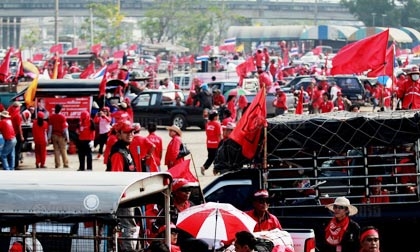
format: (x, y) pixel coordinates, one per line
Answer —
(102, 85)
(248, 130)
(388, 67)
(96, 49)
(90, 69)
(4, 68)
(112, 67)
(20, 72)
(119, 54)
(182, 170)
(37, 57)
(360, 56)
(299, 106)
(58, 48)
(73, 51)
(243, 69)
(133, 47)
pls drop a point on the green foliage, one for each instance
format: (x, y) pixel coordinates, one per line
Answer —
(388, 13)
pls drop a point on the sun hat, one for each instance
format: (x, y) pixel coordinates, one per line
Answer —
(176, 129)
(5, 114)
(414, 70)
(182, 183)
(343, 201)
(261, 194)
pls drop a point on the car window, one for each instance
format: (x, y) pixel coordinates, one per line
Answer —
(348, 84)
(237, 195)
(142, 100)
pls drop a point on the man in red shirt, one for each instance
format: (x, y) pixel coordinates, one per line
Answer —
(265, 220)
(218, 98)
(280, 102)
(157, 141)
(266, 58)
(327, 105)
(58, 135)
(214, 136)
(17, 121)
(9, 136)
(141, 149)
(258, 57)
(409, 90)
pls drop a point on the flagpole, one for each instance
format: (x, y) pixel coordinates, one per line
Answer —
(196, 175)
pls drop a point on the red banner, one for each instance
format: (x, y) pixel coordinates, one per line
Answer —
(72, 106)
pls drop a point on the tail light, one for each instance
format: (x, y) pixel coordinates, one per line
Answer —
(310, 245)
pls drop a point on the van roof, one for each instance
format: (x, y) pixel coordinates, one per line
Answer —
(71, 194)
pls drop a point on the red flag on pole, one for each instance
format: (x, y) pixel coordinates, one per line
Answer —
(20, 72)
(4, 68)
(90, 69)
(73, 51)
(182, 170)
(360, 56)
(58, 48)
(388, 67)
(102, 85)
(37, 57)
(96, 49)
(248, 130)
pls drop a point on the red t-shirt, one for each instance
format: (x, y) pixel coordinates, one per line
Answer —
(58, 124)
(143, 145)
(157, 141)
(214, 134)
(39, 133)
(218, 100)
(6, 129)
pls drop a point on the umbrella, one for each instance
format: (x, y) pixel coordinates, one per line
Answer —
(214, 222)
(385, 80)
(236, 92)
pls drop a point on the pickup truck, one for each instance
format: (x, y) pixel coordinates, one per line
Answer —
(236, 188)
(159, 106)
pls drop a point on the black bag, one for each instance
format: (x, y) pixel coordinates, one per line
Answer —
(263, 245)
(183, 151)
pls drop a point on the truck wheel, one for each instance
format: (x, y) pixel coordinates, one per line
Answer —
(179, 120)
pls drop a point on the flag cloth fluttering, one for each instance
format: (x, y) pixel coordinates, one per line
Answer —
(182, 170)
(248, 130)
(360, 56)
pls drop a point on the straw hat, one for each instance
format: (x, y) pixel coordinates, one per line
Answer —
(176, 129)
(343, 201)
(5, 114)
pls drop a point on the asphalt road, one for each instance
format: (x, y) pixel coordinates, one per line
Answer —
(193, 137)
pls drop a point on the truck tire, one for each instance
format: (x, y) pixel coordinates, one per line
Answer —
(179, 120)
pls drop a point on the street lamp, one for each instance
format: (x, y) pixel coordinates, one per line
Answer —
(383, 20)
(373, 18)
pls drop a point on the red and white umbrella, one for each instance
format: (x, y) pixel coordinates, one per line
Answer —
(214, 222)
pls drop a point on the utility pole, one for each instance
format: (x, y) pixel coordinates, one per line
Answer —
(91, 26)
(56, 22)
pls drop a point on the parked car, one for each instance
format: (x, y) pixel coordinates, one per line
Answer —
(159, 106)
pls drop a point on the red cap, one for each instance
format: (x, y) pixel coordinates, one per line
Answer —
(125, 126)
(40, 114)
(261, 194)
(179, 183)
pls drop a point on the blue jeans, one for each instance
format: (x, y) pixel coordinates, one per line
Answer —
(8, 154)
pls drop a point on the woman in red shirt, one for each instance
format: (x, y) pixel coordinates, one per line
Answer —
(214, 136)
(39, 133)
(86, 132)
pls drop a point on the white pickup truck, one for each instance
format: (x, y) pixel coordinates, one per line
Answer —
(236, 188)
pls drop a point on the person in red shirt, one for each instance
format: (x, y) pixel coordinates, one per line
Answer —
(231, 106)
(157, 141)
(342, 103)
(214, 136)
(86, 132)
(266, 58)
(172, 150)
(120, 159)
(327, 105)
(122, 113)
(227, 117)
(39, 133)
(273, 69)
(218, 98)
(58, 135)
(9, 136)
(409, 90)
(377, 194)
(265, 220)
(242, 105)
(280, 102)
(111, 140)
(258, 58)
(141, 150)
(17, 121)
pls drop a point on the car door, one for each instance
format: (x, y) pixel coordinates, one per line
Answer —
(141, 107)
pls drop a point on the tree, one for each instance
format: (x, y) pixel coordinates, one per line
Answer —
(108, 26)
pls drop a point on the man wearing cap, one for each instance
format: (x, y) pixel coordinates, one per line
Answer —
(213, 138)
(120, 159)
(409, 90)
(280, 102)
(157, 141)
(265, 220)
(58, 136)
(17, 121)
(8, 152)
(342, 233)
